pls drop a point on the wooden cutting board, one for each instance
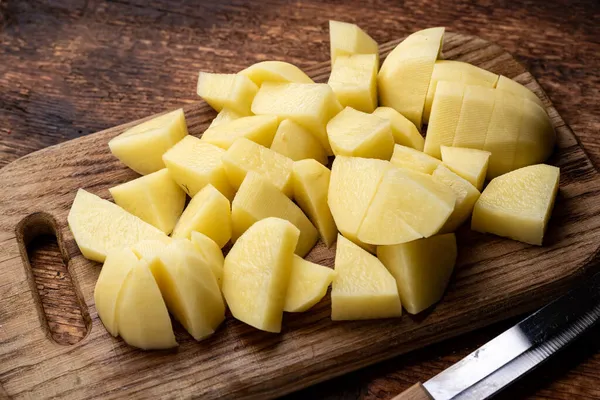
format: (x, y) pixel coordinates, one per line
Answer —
(494, 279)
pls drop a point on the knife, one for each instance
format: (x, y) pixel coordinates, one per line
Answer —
(517, 351)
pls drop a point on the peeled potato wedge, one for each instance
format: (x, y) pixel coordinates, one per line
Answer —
(275, 71)
(308, 285)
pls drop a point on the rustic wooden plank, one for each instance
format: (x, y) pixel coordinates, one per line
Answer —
(495, 279)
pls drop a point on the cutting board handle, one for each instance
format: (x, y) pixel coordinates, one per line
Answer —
(415, 392)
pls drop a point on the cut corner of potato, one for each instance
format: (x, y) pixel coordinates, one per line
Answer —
(412, 159)
(308, 285)
(466, 196)
(346, 38)
(233, 91)
(353, 79)
(470, 164)
(275, 71)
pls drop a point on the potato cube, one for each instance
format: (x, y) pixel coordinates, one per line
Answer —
(233, 91)
(422, 269)
(362, 288)
(224, 116)
(210, 252)
(258, 199)
(193, 164)
(245, 156)
(358, 134)
(311, 105)
(257, 271)
(470, 164)
(141, 148)
(347, 39)
(208, 212)
(405, 132)
(258, 128)
(466, 196)
(311, 183)
(155, 198)
(308, 285)
(409, 158)
(518, 204)
(295, 142)
(354, 81)
(275, 71)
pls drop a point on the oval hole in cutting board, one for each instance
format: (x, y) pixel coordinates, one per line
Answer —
(51, 281)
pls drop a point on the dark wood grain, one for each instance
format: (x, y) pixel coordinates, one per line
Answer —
(72, 68)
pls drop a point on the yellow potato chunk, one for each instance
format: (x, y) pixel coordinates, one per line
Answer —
(405, 132)
(141, 148)
(518, 204)
(211, 252)
(311, 184)
(445, 114)
(409, 158)
(258, 128)
(155, 198)
(354, 81)
(311, 105)
(142, 315)
(99, 226)
(456, 71)
(466, 196)
(358, 134)
(308, 285)
(352, 187)
(258, 199)
(149, 249)
(475, 116)
(245, 156)
(189, 288)
(347, 39)
(470, 164)
(516, 88)
(257, 271)
(233, 91)
(405, 74)
(193, 164)
(224, 116)
(422, 269)
(208, 212)
(362, 288)
(275, 71)
(536, 136)
(296, 143)
(408, 205)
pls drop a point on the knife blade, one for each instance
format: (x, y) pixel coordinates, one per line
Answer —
(518, 350)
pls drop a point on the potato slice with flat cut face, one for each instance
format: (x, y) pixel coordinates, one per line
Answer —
(354, 81)
(466, 196)
(308, 285)
(475, 116)
(405, 132)
(414, 160)
(296, 143)
(536, 136)
(232, 91)
(258, 128)
(362, 288)
(422, 269)
(257, 271)
(470, 164)
(518, 204)
(347, 39)
(224, 116)
(141, 148)
(275, 71)
(211, 252)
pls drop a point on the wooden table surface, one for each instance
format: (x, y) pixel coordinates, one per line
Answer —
(71, 68)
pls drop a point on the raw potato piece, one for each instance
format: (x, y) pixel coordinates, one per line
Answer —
(470, 164)
(445, 114)
(258, 199)
(362, 288)
(311, 105)
(456, 71)
(354, 81)
(404, 76)
(275, 71)
(99, 226)
(347, 39)
(211, 252)
(311, 183)
(224, 116)
(352, 187)
(233, 91)
(308, 285)
(422, 269)
(408, 205)
(358, 134)
(516, 88)
(408, 158)
(405, 132)
(155, 198)
(466, 196)
(245, 156)
(141, 148)
(149, 249)
(257, 271)
(475, 115)
(189, 288)
(295, 142)
(208, 212)
(193, 164)
(518, 204)
(258, 128)
(536, 136)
